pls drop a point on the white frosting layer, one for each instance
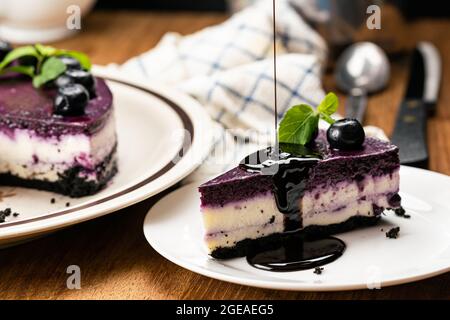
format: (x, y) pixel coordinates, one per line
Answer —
(257, 216)
(252, 212)
(30, 156)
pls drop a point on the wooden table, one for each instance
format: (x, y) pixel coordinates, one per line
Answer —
(117, 263)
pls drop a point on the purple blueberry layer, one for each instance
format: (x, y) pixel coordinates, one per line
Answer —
(233, 186)
(375, 158)
(24, 107)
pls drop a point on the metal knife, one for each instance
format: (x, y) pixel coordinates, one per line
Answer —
(410, 132)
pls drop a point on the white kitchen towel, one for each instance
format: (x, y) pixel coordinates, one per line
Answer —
(228, 68)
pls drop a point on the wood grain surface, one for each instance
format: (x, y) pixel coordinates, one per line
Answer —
(115, 260)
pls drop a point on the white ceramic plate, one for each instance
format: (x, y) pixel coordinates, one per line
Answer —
(173, 227)
(150, 121)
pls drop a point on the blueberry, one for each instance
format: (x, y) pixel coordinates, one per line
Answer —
(59, 82)
(71, 63)
(84, 78)
(346, 134)
(5, 48)
(63, 80)
(71, 100)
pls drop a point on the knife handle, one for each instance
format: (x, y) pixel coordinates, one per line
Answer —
(410, 133)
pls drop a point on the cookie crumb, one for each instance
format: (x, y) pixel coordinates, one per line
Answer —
(16, 214)
(400, 212)
(67, 204)
(318, 270)
(393, 233)
(52, 200)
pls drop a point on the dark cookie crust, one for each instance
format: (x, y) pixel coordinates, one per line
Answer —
(243, 247)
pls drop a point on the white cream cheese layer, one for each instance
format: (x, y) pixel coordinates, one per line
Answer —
(253, 212)
(29, 156)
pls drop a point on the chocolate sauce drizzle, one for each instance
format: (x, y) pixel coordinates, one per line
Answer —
(289, 165)
(290, 173)
(296, 253)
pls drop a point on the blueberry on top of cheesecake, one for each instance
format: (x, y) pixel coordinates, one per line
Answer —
(55, 135)
(317, 183)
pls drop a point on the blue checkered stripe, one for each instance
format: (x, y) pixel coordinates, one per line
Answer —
(244, 96)
(239, 44)
(243, 39)
(289, 93)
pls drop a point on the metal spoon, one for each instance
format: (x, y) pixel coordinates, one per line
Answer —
(362, 68)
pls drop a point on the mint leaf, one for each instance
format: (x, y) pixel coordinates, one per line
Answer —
(329, 104)
(301, 122)
(327, 118)
(48, 66)
(298, 125)
(51, 69)
(26, 70)
(18, 53)
(50, 51)
(46, 51)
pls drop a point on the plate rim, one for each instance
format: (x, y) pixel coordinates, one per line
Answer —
(274, 285)
(191, 114)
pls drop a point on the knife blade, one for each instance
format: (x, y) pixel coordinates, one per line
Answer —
(410, 132)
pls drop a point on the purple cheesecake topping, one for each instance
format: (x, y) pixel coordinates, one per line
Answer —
(24, 107)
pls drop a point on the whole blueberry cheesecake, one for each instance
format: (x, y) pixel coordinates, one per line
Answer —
(318, 183)
(57, 129)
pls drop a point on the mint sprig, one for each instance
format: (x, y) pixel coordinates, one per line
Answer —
(48, 66)
(51, 69)
(301, 122)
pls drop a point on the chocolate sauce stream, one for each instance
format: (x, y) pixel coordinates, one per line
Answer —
(290, 174)
(289, 185)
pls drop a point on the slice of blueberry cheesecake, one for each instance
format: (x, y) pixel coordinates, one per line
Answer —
(59, 136)
(338, 181)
